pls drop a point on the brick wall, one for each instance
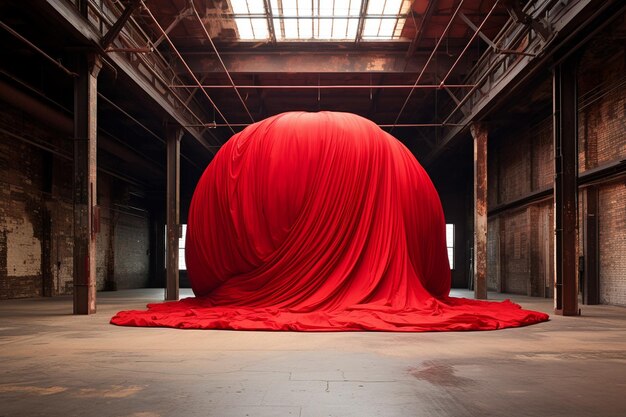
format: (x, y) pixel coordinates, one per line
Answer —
(612, 243)
(519, 247)
(493, 173)
(132, 234)
(22, 216)
(36, 217)
(602, 104)
(541, 248)
(516, 252)
(542, 155)
(520, 162)
(493, 254)
(602, 140)
(514, 167)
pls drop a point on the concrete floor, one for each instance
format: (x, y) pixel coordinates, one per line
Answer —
(55, 364)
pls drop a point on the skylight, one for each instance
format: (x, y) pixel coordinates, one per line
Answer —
(330, 20)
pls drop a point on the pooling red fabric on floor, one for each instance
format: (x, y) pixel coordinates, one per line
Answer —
(320, 222)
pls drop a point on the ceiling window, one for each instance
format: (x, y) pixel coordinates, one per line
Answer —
(250, 18)
(321, 20)
(385, 19)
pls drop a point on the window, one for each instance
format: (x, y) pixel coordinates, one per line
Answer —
(450, 244)
(182, 266)
(330, 20)
(250, 19)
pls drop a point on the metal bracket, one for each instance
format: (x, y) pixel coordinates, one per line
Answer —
(540, 26)
(185, 13)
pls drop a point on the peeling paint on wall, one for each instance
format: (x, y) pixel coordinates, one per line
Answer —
(23, 248)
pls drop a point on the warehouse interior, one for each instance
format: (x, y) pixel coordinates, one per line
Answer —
(110, 110)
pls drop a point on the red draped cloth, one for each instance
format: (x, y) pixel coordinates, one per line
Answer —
(320, 222)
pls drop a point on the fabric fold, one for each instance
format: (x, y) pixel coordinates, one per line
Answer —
(320, 222)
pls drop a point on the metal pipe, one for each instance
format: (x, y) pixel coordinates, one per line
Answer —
(169, 41)
(473, 27)
(467, 96)
(542, 61)
(195, 12)
(182, 15)
(476, 33)
(149, 67)
(135, 50)
(32, 45)
(118, 108)
(329, 87)
(432, 54)
(61, 120)
(144, 127)
(432, 5)
(70, 157)
(48, 116)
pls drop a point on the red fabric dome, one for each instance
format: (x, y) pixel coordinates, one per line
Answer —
(319, 221)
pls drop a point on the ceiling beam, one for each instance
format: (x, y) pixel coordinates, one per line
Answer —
(328, 62)
(117, 27)
(69, 17)
(419, 33)
(570, 22)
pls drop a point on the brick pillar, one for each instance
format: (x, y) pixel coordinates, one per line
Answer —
(479, 133)
(85, 179)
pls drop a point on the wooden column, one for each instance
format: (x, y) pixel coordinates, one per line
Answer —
(174, 135)
(565, 129)
(85, 179)
(479, 133)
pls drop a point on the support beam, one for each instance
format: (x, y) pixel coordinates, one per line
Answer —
(174, 135)
(541, 26)
(85, 180)
(361, 24)
(270, 21)
(565, 128)
(67, 16)
(185, 13)
(309, 62)
(476, 30)
(419, 34)
(479, 133)
(117, 27)
(575, 22)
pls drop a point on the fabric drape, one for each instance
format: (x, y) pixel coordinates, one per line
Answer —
(320, 222)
